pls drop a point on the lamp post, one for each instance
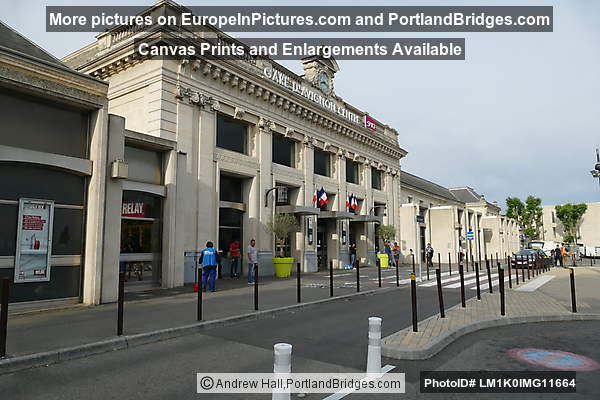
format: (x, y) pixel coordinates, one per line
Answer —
(596, 171)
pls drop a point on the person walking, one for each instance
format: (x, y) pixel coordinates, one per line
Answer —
(429, 254)
(396, 253)
(234, 257)
(209, 258)
(252, 259)
(563, 256)
(353, 255)
(388, 250)
(557, 256)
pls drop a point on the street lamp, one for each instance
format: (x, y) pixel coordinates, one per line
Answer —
(596, 171)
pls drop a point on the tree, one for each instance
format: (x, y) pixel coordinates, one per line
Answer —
(570, 216)
(386, 232)
(528, 214)
(281, 225)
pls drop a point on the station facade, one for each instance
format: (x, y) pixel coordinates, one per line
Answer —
(229, 131)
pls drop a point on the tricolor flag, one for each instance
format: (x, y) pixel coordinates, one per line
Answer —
(315, 198)
(353, 202)
(322, 197)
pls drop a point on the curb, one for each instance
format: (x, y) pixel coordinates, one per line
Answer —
(434, 347)
(14, 364)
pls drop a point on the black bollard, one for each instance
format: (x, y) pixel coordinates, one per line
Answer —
(413, 264)
(379, 271)
(467, 261)
(3, 316)
(462, 285)
(497, 260)
(397, 274)
(528, 272)
(440, 261)
(509, 274)
(256, 287)
(449, 265)
(120, 302)
(298, 283)
(438, 276)
(573, 299)
(489, 275)
(357, 275)
(477, 281)
(413, 295)
(330, 278)
(501, 277)
(522, 270)
(199, 305)
(427, 262)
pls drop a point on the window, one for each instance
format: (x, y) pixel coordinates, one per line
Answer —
(322, 164)
(231, 134)
(144, 165)
(284, 151)
(375, 178)
(351, 171)
(230, 189)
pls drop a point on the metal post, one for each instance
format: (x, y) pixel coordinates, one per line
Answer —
(497, 261)
(413, 264)
(449, 265)
(509, 273)
(573, 299)
(427, 262)
(199, 305)
(501, 277)
(467, 261)
(489, 275)
(438, 276)
(522, 270)
(413, 295)
(357, 275)
(397, 275)
(3, 316)
(440, 261)
(462, 285)
(120, 301)
(256, 287)
(379, 271)
(331, 278)
(516, 270)
(477, 281)
(298, 283)
(528, 272)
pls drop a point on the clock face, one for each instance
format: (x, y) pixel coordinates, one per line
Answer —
(324, 82)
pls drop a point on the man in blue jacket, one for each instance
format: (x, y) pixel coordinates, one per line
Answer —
(209, 258)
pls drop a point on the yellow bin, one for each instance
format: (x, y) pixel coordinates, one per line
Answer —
(383, 260)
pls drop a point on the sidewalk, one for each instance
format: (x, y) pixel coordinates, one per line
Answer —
(34, 332)
(525, 303)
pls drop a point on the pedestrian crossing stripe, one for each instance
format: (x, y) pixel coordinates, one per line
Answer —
(471, 281)
(454, 277)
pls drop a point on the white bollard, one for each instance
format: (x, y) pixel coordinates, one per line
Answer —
(374, 351)
(282, 365)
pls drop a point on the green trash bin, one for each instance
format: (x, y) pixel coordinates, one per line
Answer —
(383, 260)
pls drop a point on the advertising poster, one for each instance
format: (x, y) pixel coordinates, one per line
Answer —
(34, 241)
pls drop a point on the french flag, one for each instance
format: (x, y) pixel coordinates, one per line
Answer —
(315, 198)
(322, 197)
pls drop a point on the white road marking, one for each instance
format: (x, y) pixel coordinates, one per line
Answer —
(485, 286)
(482, 278)
(535, 284)
(450, 279)
(345, 392)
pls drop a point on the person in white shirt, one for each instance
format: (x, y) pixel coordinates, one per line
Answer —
(252, 259)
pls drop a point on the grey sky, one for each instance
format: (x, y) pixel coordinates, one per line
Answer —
(519, 116)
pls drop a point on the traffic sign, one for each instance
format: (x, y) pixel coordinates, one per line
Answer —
(420, 219)
(470, 235)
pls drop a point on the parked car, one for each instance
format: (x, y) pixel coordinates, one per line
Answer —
(527, 257)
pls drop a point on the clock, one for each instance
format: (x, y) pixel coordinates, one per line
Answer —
(323, 82)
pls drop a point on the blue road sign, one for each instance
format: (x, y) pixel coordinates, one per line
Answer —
(470, 235)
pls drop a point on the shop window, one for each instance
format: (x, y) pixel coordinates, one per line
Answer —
(322, 163)
(41, 126)
(375, 178)
(8, 235)
(284, 151)
(144, 165)
(351, 171)
(231, 189)
(20, 180)
(232, 134)
(140, 236)
(67, 234)
(141, 205)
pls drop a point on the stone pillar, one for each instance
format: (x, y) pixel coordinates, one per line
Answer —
(94, 224)
(208, 204)
(173, 240)
(112, 212)
(264, 181)
(309, 262)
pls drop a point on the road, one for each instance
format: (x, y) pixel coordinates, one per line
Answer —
(330, 337)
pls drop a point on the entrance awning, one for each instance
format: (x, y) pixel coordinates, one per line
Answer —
(298, 210)
(336, 215)
(368, 218)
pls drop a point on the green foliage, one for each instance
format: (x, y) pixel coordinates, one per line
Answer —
(386, 232)
(281, 226)
(570, 216)
(528, 214)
